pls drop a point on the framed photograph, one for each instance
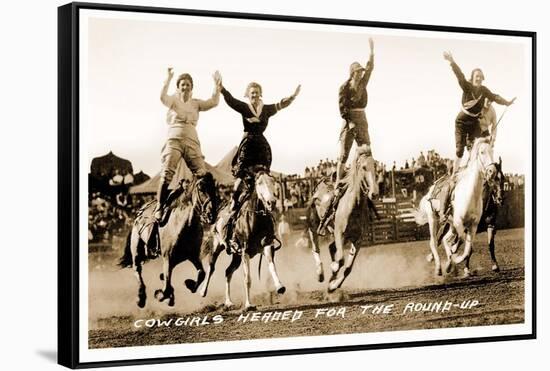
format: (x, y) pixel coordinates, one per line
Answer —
(241, 185)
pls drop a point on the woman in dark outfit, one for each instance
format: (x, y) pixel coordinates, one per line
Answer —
(467, 125)
(473, 100)
(254, 150)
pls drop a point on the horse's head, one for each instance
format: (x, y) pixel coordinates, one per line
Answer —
(482, 155)
(498, 184)
(363, 171)
(205, 198)
(266, 189)
(322, 190)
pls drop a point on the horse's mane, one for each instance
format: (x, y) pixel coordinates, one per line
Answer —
(351, 178)
(475, 147)
(207, 184)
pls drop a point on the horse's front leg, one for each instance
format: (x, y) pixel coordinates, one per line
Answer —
(314, 240)
(433, 223)
(168, 291)
(212, 258)
(246, 280)
(468, 248)
(269, 254)
(447, 245)
(193, 285)
(338, 259)
(491, 232)
(333, 285)
(235, 262)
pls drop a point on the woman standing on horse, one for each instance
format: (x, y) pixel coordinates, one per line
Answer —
(254, 150)
(473, 101)
(467, 123)
(183, 141)
(352, 100)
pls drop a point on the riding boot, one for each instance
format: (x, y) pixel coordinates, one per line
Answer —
(162, 195)
(229, 226)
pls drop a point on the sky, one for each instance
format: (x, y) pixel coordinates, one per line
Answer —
(413, 95)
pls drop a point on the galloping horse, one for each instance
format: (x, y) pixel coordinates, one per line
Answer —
(467, 205)
(253, 232)
(352, 217)
(180, 236)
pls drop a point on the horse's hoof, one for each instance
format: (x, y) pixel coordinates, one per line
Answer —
(191, 285)
(171, 301)
(438, 272)
(467, 273)
(141, 302)
(281, 290)
(321, 277)
(159, 295)
(429, 258)
(228, 306)
(331, 287)
(495, 268)
(161, 276)
(249, 308)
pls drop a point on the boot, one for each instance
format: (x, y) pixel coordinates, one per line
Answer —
(230, 244)
(162, 195)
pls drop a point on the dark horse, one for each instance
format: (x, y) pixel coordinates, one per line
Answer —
(180, 236)
(254, 233)
(492, 200)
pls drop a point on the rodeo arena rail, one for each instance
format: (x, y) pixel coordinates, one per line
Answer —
(116, 195)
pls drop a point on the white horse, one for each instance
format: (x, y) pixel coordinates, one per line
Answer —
(467, 206)
(254, 233)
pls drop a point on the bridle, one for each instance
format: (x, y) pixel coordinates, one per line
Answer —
(260, 197)
(484, 167)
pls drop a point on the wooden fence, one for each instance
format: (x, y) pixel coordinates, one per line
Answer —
(396, 223)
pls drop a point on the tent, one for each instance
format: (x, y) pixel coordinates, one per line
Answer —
(106, 166)
(182, 172)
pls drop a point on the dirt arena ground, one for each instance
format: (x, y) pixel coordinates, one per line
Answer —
(392, 287)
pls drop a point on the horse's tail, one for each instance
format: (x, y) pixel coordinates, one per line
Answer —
(126, 259)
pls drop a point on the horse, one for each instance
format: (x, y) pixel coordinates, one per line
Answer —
(492, 200)
(320, 200)
(467, 205)
(179, 234)
(254, 234)
(352, 217)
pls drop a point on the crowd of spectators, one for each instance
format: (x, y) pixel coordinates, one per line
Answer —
(110, 216)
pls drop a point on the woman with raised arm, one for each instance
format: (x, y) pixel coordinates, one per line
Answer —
(467, 123)
(254, 150)
(352, 101)
(473, 101)
(183, 141)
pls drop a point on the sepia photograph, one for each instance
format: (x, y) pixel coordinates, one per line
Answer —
(257, 184)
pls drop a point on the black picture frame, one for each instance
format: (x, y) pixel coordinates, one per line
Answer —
(68, 182)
